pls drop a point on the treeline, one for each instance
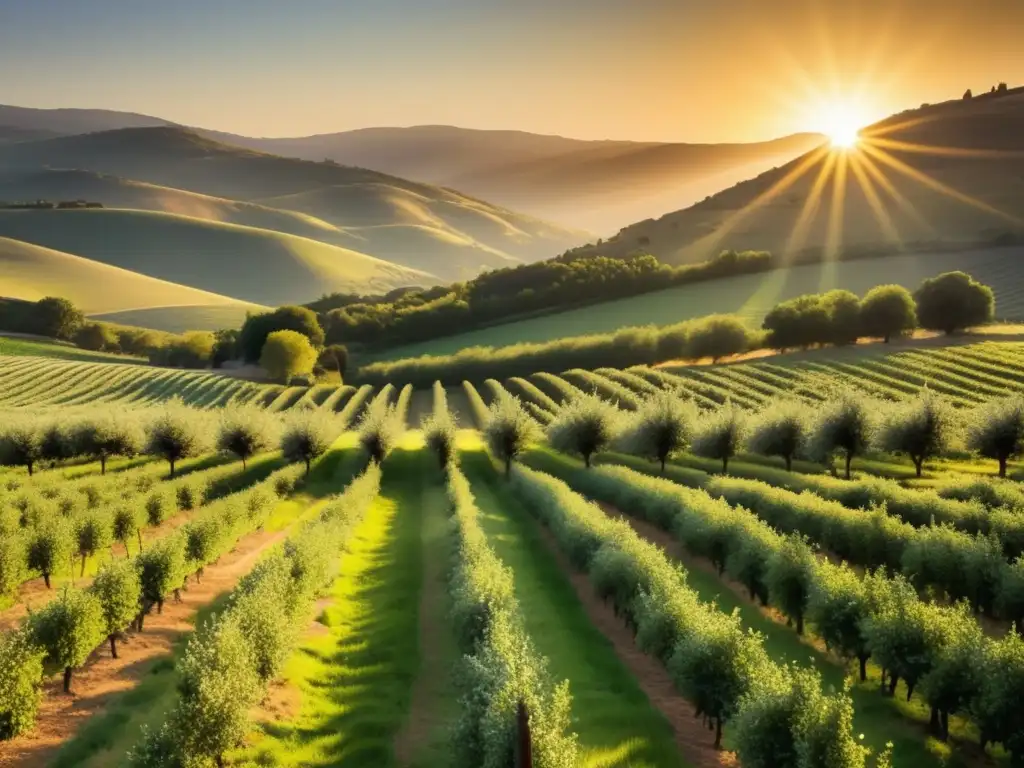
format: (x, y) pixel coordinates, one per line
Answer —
(411, 315)
(948, 303)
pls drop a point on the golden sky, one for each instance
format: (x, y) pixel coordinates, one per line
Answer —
(698, 71)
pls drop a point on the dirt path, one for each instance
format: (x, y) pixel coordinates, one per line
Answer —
(694, 741)
(34, 593)
(433, 676)
(61, 715)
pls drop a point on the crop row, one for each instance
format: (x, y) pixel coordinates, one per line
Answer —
(940, 651)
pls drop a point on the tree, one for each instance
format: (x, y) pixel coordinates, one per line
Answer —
(305, 438)
(780, 429)
(175, 434)
(21, 672)
(12, 562)
(440, 434)
(125, 524)
(954, 680)
(718, 336)
(96, 337)
(837, 606)
(21, 444)
(887, 311)
(379, 430)
(968, 95)
(118, 588)
(244, 432)
(49, 547)
(661, 428)
(201, 537)
(57, 443)
(997, 710)
(843, 308)
(800, 322)
(584, 426)
(791, 572)
(68, 628)
(218, 685)
(92, 534)
(287, 354)
(55, 317)
(106, 436)
(845, 425)
(922, 428)
(996, 430)
(953, 301)
(335, 358)
(161, 571)
(225, 347)
(257, 328)
(720, 434)
(509, 429)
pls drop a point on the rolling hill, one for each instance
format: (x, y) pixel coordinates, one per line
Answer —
(947, 173)
(255, 265)
(31, 272)
(593, 185)
(72, 121)
(433, 229)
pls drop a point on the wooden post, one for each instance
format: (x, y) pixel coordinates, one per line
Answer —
(524, 744)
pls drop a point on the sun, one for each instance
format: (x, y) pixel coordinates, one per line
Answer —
(842, 124)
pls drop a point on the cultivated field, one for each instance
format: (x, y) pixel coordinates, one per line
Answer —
(750, 296)
(611, 602)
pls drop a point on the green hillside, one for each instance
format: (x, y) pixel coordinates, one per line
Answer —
(750, 296)
(31, 272)
(255, 265)
(446, 233)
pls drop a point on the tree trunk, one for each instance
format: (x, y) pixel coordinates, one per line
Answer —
(1002, 466)
(910, 690)
(524, 741)
(863, 668)
(789, 463)
(918, 464)
(508, 466)
(725, 465)
(30, 469)
(159, 606)
(849, 460)
(82, 573)
(934, 724)
(586, 460)
(718, 733)
(141, 619)
(800, 623)
(113, 646)
(893, 682)
(103, 465)
(46, 579)
(171, 462)
(67, 679)
(307, 467)
(138, 534)
(945, 726)
(887, 335)
(663, 459)
(244, 466)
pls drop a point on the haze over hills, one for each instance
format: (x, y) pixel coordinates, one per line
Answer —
(72, 121)
(439, 231)
(950, 173)
(593, 185)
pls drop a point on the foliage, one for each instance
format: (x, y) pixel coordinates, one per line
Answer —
(176, 433)
(162, 569)
(107, 434)
(953, 301)
(440, 432)
(287, 354)
(21, 443)
(68, 628)
(718, 336)
(118, 588)
(93, 531)
(258, 328)
(509, 430)
(779, 429)
(830, 318)
(996, 430)
(194, 349)
(720, 434)
(584, 426)
(334, 358)
(245, 431)
(887, 311)
(379, 430)
(306, 437)
(54, 317)
(21, 670)
(49, 547)
(837, 606)
(844, 425)
(790, 574)
(923, 428)
(661, 428)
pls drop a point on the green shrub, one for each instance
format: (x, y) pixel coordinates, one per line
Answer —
(118, 589)
(21, 675)
(584, 426)
(68, 628)
(509, 430)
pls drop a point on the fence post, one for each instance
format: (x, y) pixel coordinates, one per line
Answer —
(524, 744)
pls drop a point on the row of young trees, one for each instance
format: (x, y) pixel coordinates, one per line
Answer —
(937, 650)
(173, 433)
(950, 302)
(231, 660)
(779, 714)
(63, 633)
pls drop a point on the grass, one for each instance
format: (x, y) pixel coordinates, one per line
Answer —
(750, 296)
(616, 723)
(10, 345)
(104, 741)
(355, 678)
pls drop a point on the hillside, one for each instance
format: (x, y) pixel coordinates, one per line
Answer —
(255, 265)
(440, 231)
(31, 272)
(72, 121)
(949, 173)
(593, 185)
(750, 296)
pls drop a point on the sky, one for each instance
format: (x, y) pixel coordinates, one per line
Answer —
(652, 70)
